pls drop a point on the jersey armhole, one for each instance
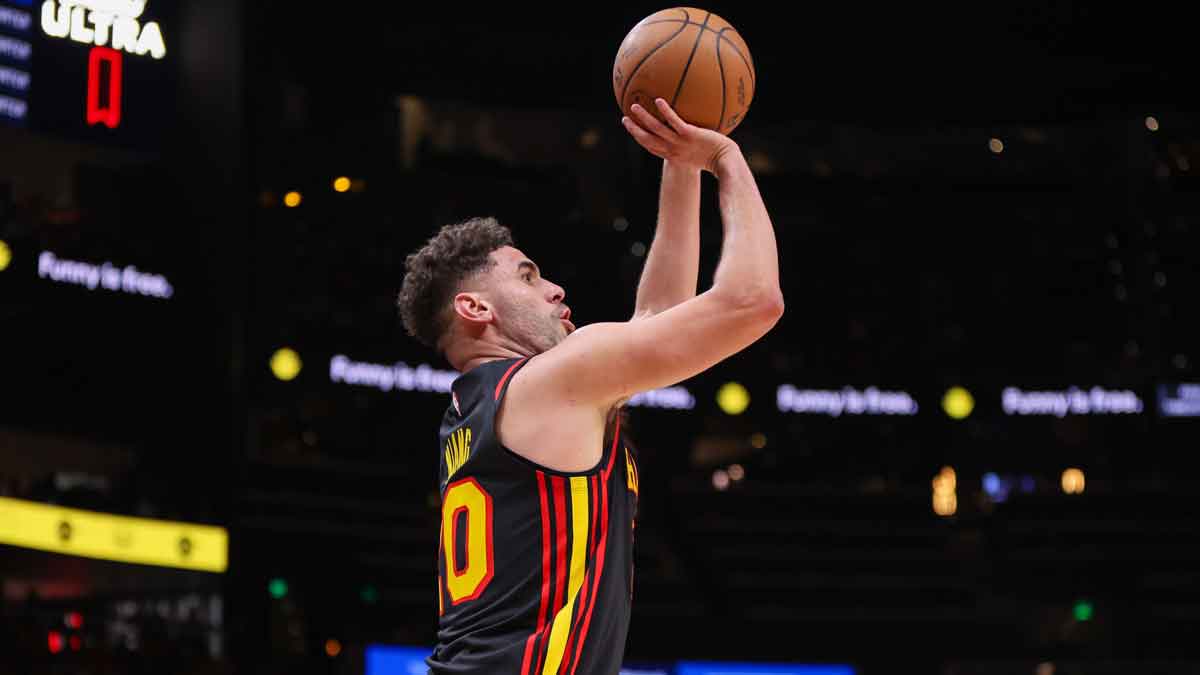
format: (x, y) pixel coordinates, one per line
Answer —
(501, 391)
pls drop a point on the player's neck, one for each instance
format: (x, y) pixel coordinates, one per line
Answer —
(468, 354)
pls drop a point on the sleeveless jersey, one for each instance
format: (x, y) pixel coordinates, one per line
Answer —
(535, 566)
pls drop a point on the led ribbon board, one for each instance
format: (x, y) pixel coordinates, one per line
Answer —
(1179, 400)
(1070, 401)
(844, 401)
(103, 536)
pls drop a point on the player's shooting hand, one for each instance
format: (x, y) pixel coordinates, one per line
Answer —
(677, 141)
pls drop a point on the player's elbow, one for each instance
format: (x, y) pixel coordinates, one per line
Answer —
(759, 306)
(769, 307)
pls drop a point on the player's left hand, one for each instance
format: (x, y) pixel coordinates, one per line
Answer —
(677, 141)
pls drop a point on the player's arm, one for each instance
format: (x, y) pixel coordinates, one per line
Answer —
(604, 363)
(670, 274)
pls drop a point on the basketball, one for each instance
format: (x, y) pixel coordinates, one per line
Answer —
(692, 58)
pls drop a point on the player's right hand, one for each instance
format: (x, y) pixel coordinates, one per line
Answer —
(677, 141)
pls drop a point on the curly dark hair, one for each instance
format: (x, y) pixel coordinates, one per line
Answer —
(433, 274)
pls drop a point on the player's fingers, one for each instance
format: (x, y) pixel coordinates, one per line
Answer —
(644, 138)
(651, 123)
(669, 114)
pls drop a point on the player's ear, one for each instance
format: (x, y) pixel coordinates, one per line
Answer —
(473, 308)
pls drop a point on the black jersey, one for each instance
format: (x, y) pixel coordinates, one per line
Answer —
(535, 566)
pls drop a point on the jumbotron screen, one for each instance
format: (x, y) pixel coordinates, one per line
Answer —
(94, 70)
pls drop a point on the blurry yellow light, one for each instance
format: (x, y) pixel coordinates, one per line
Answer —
(1072, 481)
(341, 184)
(996, 145)
(958, 403)
(949, 479)
(733, 398)
(5, 256)
(758, 441)
(285, 364)
(291, 199)
(333, 648)
(1152, 123)
(945, 499)
(945, 503)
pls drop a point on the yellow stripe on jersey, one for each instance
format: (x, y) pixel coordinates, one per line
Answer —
(579, 536)
(631, 474)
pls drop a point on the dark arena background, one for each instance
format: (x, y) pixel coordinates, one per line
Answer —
(968, 448)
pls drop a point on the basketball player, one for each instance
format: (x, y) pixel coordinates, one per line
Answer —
(539, 495)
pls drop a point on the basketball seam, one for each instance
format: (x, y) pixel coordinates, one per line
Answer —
(706, 28)
(721, 69)
(629, 77)
(688, 65)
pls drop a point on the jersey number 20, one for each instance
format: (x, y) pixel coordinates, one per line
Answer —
(466, 504)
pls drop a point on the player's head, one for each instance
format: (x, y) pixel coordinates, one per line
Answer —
(468, 288)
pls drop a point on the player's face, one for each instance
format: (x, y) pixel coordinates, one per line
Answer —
(529, 309)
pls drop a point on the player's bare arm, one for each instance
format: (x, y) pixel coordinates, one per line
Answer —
(574, 385)
(673, 263)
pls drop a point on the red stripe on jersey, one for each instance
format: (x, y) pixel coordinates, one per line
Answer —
(500, 384)
(602, 507)
(558, 483)
(541, 625)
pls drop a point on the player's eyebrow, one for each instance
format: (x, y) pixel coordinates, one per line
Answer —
(529, 264)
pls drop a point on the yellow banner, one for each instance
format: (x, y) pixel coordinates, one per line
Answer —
(91, 534)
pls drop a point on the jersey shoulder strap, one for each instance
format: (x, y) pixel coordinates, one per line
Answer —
(468, 431)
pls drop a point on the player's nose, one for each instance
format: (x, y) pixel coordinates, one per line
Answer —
(557, 294)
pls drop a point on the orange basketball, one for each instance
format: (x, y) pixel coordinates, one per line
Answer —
(692, 58)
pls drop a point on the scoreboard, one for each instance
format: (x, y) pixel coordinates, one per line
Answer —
(90, 70)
